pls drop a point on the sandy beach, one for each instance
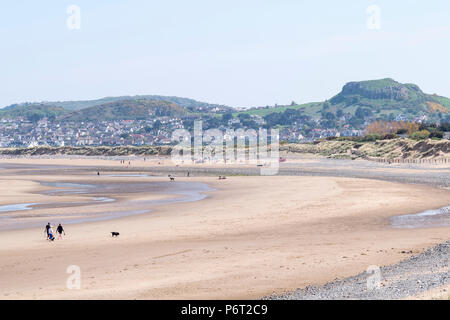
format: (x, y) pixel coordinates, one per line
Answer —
(252, 236)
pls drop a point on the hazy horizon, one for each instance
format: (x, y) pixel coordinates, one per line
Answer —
(237, 54)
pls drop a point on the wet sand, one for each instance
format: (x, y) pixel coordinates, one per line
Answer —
(101, 198)
(251, 237)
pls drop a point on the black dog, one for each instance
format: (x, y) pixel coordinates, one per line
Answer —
(115, 234)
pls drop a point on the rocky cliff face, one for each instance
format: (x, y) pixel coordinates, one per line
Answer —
(384, 89)
(389, 92)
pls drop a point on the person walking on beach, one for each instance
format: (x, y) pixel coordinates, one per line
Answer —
(47, 227)
(50, 237)
(60, 231)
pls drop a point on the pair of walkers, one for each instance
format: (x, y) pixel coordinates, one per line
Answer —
(50, 233)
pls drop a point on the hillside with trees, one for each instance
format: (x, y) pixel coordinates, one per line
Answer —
(33, 112)
(190, 104)
(363, 101)
(126, 110)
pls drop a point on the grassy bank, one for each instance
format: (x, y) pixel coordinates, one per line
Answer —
(387, 149)
(87, 151)
(345, 149)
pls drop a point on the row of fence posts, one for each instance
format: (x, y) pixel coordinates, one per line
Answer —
(428, 161)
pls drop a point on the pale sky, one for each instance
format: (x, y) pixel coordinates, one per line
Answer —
(239, 53)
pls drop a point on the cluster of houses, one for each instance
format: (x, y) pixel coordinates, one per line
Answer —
(417, 119)
(23, 133)
(293, 134)
(20, 132)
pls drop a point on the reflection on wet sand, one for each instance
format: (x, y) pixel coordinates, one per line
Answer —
(426, 219)
(178, 192)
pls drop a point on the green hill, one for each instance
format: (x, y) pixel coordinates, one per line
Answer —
(363, 100)
(32, 112)
(187, 103)
(384, 98)
(126, 110)
(124, 107)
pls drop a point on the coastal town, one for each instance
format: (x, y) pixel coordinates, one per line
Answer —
(21, 132)
(152, 122)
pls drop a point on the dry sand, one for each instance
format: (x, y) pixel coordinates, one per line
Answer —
(252, 237)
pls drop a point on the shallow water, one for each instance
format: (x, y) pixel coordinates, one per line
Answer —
(66, 187)
(426, 219)
(125, 175)
(183, 192)
(103, 199)
(17, 207)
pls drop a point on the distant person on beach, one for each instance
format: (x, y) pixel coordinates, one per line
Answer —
(47, 227)
(98, 173)
(50, 233)
(60, 231)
